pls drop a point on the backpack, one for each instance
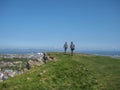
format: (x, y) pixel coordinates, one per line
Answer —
(65, 46)
(72, 46)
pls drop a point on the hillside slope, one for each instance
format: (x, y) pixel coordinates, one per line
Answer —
(80, 72)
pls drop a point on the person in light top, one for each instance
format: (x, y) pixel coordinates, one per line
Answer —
(2, 76)
(65, 47)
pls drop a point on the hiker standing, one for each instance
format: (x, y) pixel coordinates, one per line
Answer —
(72, 46)
(65, 47)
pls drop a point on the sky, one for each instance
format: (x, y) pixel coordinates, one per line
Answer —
(90, 24)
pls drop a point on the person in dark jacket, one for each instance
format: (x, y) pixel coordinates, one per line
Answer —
(45, 58)
(65, 47)
(72, 46)
(28, 66)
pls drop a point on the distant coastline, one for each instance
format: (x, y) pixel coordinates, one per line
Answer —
(32, 51)
(114, 54)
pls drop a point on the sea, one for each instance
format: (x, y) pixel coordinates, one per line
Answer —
(112, 53)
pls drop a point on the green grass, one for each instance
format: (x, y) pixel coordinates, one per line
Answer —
(78, 72)
(106, 69)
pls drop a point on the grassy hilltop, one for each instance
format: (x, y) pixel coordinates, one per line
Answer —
(78, 72)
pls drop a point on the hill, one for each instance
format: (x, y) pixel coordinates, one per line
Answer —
(78, 72)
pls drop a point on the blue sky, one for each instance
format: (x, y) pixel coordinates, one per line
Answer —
(90, 24)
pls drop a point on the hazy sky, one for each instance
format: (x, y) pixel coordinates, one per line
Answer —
(90, 24)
